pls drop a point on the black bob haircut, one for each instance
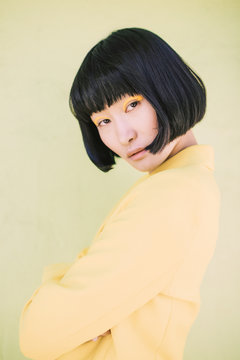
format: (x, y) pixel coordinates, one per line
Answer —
(135, 61)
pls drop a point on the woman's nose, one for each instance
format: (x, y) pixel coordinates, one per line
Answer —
(125, 132)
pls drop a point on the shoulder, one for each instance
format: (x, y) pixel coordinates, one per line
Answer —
(187, 188)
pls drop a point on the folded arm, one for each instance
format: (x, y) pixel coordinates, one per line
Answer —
(134, 258)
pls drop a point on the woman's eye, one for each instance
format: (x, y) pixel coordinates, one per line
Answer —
(102, 121)
(134, 103)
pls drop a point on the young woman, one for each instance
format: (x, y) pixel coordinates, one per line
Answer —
(135, 291)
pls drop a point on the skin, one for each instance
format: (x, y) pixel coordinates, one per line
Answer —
(131, 123)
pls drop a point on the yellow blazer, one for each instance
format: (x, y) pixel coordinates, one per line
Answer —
(140, 277)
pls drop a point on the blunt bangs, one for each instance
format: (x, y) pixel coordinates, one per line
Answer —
(103, 86)
(134, 61)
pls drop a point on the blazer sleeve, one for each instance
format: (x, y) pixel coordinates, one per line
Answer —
(135, 257)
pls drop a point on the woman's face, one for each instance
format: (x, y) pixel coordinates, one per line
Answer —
(128, 126)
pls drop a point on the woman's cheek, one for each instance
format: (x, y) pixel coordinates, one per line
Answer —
(106, 140)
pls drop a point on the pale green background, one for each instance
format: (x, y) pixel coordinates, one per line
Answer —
(53, 198)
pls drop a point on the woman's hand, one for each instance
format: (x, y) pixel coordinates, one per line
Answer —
(104, 334)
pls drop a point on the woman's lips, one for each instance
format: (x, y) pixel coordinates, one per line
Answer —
(138, 155)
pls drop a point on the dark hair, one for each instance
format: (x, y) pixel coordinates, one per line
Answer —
(136, 61)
